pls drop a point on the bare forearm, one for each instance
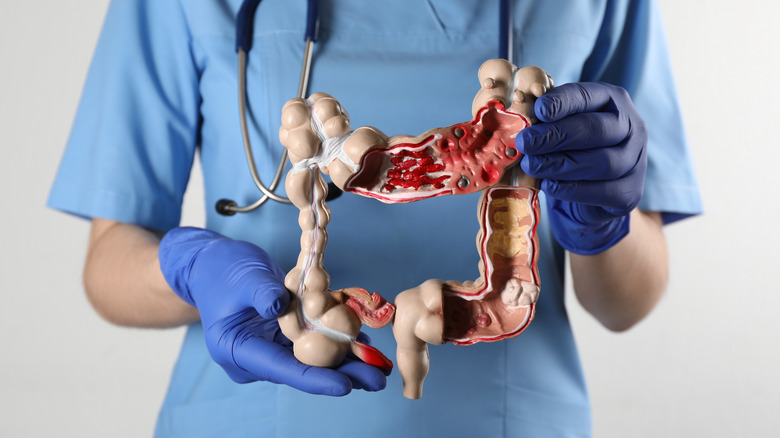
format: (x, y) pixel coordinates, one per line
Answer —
(123, 280)
(622, 285)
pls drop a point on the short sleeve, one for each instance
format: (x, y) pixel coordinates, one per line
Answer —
(631, 51)
(133, 140)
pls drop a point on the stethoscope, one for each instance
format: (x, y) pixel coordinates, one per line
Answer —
(244, 33)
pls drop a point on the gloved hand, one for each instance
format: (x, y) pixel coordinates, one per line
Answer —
(239, 292)
(591, 153)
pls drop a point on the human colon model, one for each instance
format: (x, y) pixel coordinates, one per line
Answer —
(463, 158)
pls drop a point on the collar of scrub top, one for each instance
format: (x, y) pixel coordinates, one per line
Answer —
(244, 36)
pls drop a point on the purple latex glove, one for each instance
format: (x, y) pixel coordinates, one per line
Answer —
(591, 153)
(239, 292)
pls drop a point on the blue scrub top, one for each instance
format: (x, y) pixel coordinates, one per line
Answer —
(162, 87)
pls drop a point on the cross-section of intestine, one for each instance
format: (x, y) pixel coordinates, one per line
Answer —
(498, 305)
(463, 158)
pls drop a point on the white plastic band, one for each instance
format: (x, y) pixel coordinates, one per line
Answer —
(332, 147)
(510, 92)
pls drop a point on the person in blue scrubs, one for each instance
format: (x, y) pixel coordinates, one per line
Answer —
(162, 88)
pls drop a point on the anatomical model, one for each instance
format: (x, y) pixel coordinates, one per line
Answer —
(478, 155)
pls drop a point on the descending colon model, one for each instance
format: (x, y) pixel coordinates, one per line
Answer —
(478, 155)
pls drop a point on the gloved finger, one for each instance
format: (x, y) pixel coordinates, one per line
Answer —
(363, 375)
(364, 338)
(619, 196)
(579, 131)
(261, 287)
(578, 97)
(270, 298)
(267, 361)
(602, 164)
(279, 338)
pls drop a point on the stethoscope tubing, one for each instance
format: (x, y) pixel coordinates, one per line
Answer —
(244, 31)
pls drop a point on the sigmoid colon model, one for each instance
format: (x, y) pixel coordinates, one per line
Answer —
(478, 155)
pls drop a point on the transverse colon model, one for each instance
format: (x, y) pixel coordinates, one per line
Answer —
(478, 155)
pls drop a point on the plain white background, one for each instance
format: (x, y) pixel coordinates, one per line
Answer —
(706, 363)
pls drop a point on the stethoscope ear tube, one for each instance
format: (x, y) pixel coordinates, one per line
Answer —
(244, 36)
(504, 30)
(245, 25)
(312, 21)
(268, 193)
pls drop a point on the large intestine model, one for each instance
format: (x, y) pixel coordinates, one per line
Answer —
(478, 155)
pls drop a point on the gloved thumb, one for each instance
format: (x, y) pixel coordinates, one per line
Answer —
(270, 299)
